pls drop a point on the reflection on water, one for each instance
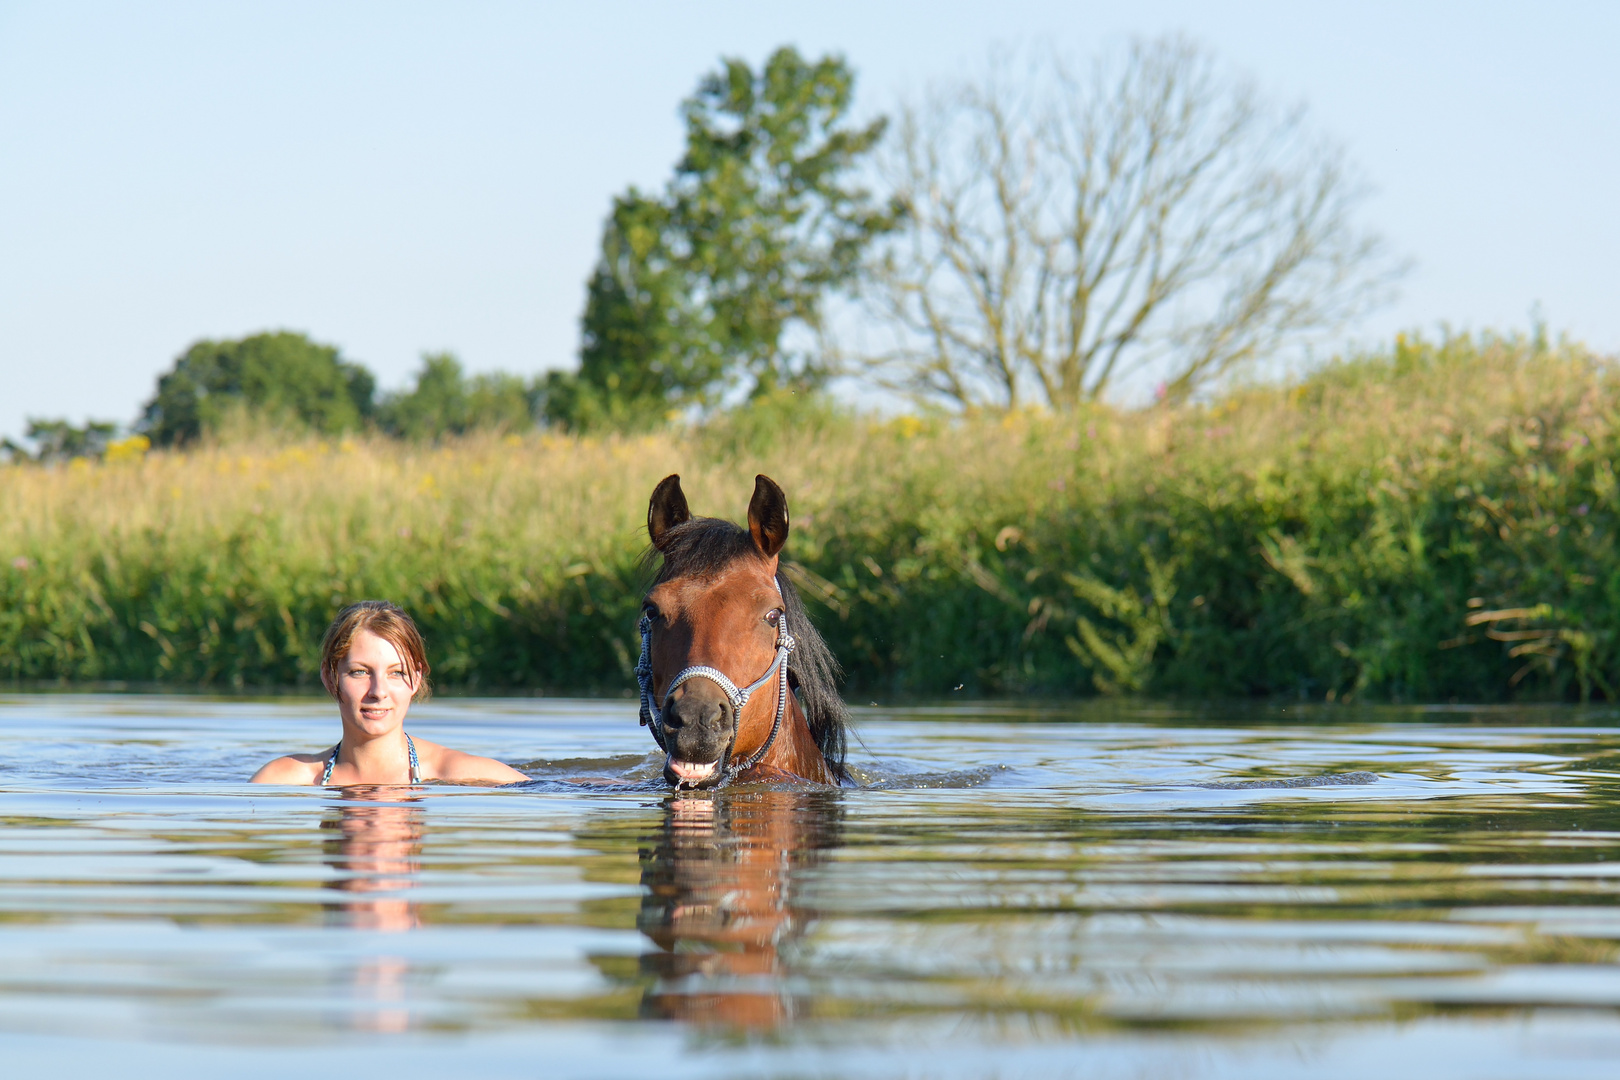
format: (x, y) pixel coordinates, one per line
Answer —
(721, 904)
(1100, 892)
(374, 853)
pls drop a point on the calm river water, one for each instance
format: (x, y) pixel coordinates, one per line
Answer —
(1098, 892)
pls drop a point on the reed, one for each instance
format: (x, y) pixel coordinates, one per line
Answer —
(1432, 522)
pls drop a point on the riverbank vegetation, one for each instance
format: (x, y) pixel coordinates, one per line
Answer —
(1430, 522)
(1434, 521)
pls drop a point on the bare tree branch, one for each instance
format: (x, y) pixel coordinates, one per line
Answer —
(1072, 231)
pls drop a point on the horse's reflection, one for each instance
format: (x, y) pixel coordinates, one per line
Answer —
(375, 851)
(721, 903)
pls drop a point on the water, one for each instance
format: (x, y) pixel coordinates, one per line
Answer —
(1015, 892)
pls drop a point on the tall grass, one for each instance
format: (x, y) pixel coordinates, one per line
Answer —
(1437, 521)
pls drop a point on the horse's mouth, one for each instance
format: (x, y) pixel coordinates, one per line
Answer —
(689, 773)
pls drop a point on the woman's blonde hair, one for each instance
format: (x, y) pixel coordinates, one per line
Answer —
(388, 622)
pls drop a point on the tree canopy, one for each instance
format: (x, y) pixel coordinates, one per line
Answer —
(637, 354)
(61, 440)
(282, 376)
(719, 283)
(445, 401)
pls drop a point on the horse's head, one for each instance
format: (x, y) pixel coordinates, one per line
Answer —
(718, 625)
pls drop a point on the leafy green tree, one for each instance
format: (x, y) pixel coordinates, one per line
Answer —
(59, 440)
(283, 377)
(444, 401)
(769, 209)
(698, 291)
(637, 354)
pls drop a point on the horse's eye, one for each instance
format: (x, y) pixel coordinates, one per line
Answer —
(773, 616)
(650, 611)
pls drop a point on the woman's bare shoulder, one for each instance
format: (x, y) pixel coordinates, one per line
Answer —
(458, 766)
(292, 769)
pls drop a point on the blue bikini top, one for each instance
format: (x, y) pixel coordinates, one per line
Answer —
(416, 769)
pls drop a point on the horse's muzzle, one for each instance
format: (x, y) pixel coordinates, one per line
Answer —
(699, 726)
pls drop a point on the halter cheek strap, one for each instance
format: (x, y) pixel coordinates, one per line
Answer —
(652, 716)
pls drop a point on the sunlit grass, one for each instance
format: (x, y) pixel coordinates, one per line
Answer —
(1362, 532)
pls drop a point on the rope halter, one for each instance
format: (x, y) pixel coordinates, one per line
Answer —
(652, 713)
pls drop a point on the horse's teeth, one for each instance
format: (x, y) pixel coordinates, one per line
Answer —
(689, 771)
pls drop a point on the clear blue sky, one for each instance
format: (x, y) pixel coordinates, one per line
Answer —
(398, 177)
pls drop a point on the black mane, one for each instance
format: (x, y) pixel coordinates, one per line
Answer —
(703, 547)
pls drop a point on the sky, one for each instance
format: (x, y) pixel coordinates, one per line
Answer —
(395, 178)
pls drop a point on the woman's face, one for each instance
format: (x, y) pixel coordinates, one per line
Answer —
(374, 685)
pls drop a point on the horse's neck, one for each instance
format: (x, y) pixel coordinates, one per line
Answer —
(795, 750)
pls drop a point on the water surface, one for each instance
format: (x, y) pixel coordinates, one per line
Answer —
(1012, 891)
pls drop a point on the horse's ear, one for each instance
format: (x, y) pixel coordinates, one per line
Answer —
(666, 509)
(768, 516)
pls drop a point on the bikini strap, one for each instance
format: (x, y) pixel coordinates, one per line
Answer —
(326, 774)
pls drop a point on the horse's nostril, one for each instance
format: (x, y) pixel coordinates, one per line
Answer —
(705, 713)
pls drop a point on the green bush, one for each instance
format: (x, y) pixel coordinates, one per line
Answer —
(61, 440)
(446, 402)
(283, 379)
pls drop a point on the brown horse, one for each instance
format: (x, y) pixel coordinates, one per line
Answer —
(735, 682)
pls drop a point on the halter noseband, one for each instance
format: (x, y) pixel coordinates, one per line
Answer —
(652, 716)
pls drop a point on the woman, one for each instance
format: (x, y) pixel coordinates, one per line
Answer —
(373, 663)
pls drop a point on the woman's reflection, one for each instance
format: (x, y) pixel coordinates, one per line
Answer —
(722, 903)
(375, 852)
